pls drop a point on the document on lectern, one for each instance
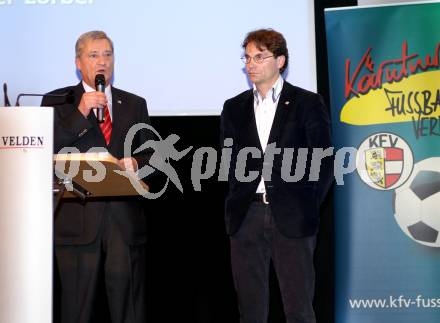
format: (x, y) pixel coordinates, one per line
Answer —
(96, 174)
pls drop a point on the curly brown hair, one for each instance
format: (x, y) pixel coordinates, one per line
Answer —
(271, 40)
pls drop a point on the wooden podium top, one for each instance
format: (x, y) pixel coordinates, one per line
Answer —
(96, 175)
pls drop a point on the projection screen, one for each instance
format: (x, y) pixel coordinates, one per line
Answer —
(182, 56)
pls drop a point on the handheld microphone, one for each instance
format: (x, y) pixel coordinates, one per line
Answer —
(5, 95)
(67, 97)
(100, 87)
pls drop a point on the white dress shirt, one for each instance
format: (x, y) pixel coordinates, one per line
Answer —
(264, 109)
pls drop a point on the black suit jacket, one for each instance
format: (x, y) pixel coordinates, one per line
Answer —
(78, 222)
(301, 121)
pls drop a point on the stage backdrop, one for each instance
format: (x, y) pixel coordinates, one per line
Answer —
(385, 101)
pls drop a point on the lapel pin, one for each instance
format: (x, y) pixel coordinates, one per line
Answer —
(119, 101)
(286, 103)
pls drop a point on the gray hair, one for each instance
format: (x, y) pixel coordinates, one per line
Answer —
(91, 35)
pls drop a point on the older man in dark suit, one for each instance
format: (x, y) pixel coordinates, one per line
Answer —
(106, 235)
(274, 216)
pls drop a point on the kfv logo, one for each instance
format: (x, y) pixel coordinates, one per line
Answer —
(384, 161)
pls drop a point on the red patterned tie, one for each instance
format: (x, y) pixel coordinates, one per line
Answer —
(106, 126)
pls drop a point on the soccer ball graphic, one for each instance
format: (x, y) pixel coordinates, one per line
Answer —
(417, 203)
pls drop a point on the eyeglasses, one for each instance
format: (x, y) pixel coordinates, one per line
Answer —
(257, 58)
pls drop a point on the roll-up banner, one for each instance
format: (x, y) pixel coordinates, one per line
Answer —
(26, 150)
(385, 101)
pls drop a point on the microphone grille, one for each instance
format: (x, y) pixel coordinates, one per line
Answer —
(99, 79)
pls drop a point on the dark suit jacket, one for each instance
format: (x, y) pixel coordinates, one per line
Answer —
(301, 121)
(78, 222)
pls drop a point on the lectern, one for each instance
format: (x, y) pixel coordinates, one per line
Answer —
(26, 219)
(95, 175)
